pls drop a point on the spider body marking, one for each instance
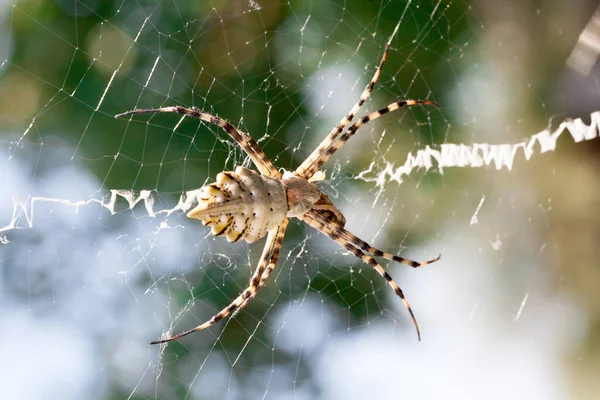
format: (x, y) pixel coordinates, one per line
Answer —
(247, 205)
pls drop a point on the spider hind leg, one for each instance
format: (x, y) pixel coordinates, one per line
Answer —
(265, 266)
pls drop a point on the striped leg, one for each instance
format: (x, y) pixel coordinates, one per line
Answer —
(268, 255)
(264, 165)
(270, 267)
(340, 140)
(306, 169)
(326, 229)
(375, 252)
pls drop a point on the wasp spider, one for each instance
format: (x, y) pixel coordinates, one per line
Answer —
(248, 205)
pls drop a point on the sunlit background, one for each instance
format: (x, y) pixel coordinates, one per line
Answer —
(88, 276)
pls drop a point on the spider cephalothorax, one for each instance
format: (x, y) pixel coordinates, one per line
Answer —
(247, 205)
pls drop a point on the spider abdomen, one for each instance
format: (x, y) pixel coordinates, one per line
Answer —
(241, 205)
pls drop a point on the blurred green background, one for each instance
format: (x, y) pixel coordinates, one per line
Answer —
(286, 72)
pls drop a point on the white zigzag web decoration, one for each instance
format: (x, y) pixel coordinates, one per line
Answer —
(482, 154)
(450, 155)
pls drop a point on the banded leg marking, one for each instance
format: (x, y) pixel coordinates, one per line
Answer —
(375, 252)
(307, 169)
(342, 139)
(247, 294)
(270, 267)
(250, 147)
(322, 227)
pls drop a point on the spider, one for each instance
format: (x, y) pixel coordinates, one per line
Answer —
(248, 205)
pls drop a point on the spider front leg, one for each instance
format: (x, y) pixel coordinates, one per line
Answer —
(332, 232)
(326, 153)
(367, 248)
(307, 169)
(268, 257)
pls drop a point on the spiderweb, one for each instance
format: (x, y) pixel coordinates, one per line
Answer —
(98, 258)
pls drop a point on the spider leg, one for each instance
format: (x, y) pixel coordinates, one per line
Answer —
(270, 267)
(307, 169)
(332, 232)
(375, 252)
(336, 144)
(245, 141)
(271, 249)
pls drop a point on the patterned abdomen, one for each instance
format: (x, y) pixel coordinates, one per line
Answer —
(241, 205)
